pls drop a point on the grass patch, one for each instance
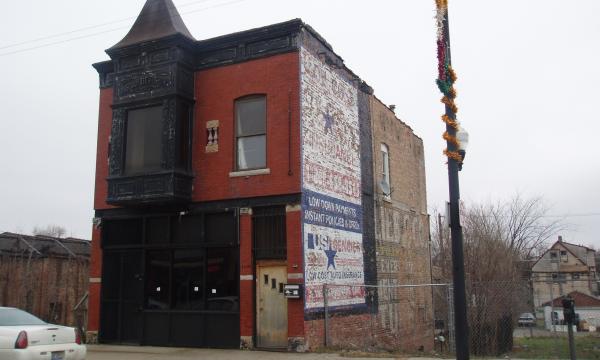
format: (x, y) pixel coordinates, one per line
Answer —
(586, 347)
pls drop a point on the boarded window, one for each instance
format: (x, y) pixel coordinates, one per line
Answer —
(251, 139)
(269, 229)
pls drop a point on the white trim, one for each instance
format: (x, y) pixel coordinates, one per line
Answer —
(242, 173)
(295, 276)
(212, 124)
(245, 211)
(95, 280)
(246, 277)
(293, 208)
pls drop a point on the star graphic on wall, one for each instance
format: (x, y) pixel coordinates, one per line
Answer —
(330, 258)
(328, 121)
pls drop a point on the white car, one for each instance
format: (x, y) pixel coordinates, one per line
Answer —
(526, 319)
(25, 337)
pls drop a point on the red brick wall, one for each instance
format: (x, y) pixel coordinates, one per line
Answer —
(216, 89)
(104, 125)
(352, 332)
(94, 287)
(101, 188)
(246, 286)
(295, 269)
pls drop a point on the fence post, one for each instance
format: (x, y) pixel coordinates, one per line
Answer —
(326, 314)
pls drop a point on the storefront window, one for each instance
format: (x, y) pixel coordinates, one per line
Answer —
(222, 279)
(157, 280)
(188, 272)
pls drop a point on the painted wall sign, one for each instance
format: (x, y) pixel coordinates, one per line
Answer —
(331, 186)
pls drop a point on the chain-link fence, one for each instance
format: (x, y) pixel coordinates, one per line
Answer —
(503, 319)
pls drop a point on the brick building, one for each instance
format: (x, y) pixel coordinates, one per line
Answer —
(264, 171)
(44, 275)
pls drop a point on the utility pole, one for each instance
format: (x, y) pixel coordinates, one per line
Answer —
(445, 83)
(569, 316)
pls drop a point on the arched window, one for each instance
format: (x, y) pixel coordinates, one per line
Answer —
(251, 132)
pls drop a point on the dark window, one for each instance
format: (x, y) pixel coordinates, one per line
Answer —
(575, 276)
(558, 276)
(187, 229)
(197, 261)
(553, 254)
(188, 272)
(250, 124)
(157, 230)
(220, 228)
(157, 279)
(222, 279)
(269, 230)
(111, 270)
(143, 146)
(122, 232)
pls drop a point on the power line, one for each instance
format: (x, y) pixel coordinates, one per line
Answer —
(101, 32)
(574, 215)
(86, 28)
(541, 216)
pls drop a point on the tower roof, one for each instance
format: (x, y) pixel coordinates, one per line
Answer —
(158, 19)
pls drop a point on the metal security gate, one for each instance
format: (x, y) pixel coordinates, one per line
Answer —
(171, 280)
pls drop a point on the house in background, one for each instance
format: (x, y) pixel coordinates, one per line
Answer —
(587, 308)
(231, 170)
(46, 276)
(562, 269)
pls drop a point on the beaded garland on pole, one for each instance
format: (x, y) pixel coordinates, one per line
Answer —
(446, 79)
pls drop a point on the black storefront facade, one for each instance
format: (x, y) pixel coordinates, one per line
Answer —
(171, 279)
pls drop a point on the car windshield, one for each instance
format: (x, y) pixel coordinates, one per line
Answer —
(15, 317)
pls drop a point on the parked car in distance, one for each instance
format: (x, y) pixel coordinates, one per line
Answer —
(25, 337)
(526, 319)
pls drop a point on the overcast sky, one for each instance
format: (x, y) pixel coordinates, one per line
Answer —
(528, 93)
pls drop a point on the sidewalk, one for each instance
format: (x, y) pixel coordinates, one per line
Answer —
(105, 352)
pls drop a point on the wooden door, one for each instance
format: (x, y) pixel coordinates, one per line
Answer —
(271, 306)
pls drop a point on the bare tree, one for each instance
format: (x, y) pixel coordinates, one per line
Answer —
(50, 230)
(497, 238)
(520, 226)
(527, 226)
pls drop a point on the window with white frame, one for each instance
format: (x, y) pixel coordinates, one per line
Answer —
(385, 164)
(251, 133)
